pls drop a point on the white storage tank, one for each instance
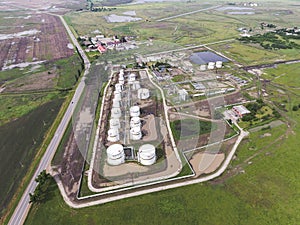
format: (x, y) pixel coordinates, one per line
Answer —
(119, 87)
(117, 95)
(134, 111)
(115, 154)
(135, 133)
(203, 67)
(219, 64)
(135, 122)
(147, 155)
(114, 123)
(113, 135)
(116, 113)
(131, 78)
(143, 93)
(116, 103)
(136, 85)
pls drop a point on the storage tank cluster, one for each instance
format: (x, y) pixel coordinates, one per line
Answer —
(116, 113)
(135, 123)
(147, 155)
(211, 65)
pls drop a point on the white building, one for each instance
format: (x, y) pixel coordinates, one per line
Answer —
(147, 155)
(115, 155)
(240, 110)
(183, 94)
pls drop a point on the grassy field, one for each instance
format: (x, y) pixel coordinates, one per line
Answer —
(188, 128)
(20, 140)
(15, 106)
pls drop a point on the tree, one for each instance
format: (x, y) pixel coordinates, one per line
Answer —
(40, 193)
(295, 108)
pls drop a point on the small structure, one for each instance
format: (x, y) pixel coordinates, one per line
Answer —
(114, 124)
(113, 135)
(135, 122)
(115, 154)
(147, 155)
(183, 94)
(143, 93)
(135, 133)
(135, 111)
(240, 110)
(116, 113)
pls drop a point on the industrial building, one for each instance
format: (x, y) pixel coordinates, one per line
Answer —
(240, 110)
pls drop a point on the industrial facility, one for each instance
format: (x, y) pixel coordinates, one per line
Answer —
(125, 128)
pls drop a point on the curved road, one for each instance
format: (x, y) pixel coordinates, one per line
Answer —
(23, 206)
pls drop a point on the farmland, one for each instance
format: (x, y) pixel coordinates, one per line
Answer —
(39, 67)
(22, 137)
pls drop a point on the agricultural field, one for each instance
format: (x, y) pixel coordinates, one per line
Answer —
(20, 141)
(39, 67)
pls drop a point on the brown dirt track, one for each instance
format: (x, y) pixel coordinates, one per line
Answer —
(48, 44)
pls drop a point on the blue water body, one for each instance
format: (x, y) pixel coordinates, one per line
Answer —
(201, 58)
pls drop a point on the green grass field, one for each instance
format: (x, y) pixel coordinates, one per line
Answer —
(15, 106)
(19, 142)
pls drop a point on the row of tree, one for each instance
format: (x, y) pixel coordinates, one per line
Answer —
(41, 191)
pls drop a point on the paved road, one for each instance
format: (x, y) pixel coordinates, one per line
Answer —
(23, 207)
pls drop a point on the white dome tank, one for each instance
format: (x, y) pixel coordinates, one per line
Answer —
(114, 123)
(143, 93)
(115, 154)
(136, 85)
(117, 96)
(134, 111)
(147, 155)
(219, 64)
(119, 87)
(116, 103)
(116, 113)
(113, 135)
(131, 78)
(135, 133)
(135, 122)
(203, 67)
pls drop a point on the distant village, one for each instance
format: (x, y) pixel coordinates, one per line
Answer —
(102, 44)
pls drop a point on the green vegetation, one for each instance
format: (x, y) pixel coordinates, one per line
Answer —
(188, 128)
(69, 71)
(41, 191)
(274, 40)
(19, 142)
(15, 106)
(260, 114)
